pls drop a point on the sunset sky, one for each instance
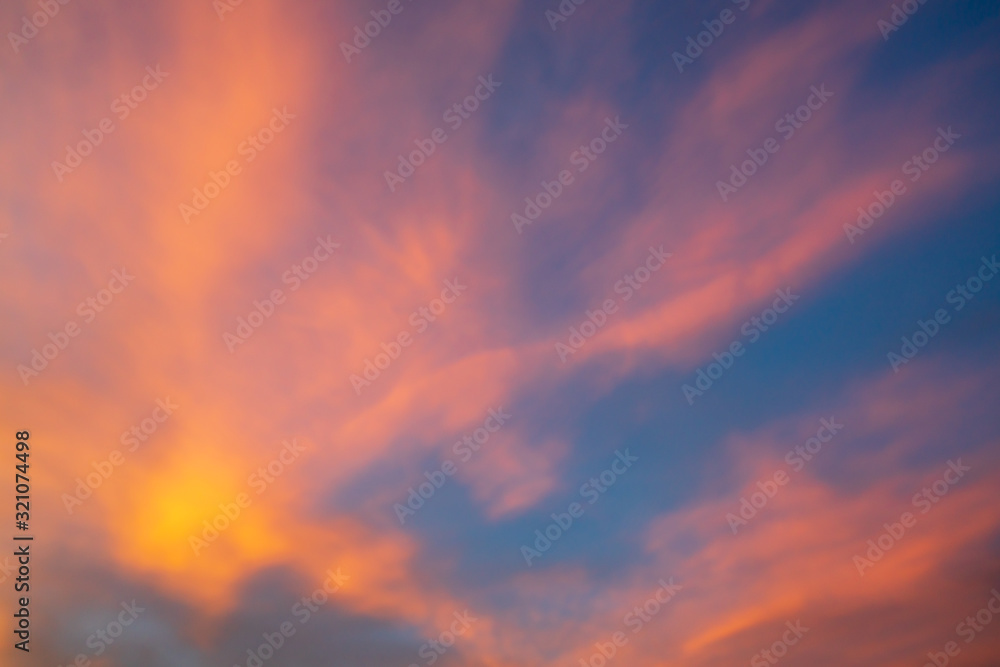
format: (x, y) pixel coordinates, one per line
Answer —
(504, 333)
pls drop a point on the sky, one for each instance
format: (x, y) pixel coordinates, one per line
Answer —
(501, 333)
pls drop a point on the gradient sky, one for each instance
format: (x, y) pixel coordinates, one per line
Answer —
(277, 71)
